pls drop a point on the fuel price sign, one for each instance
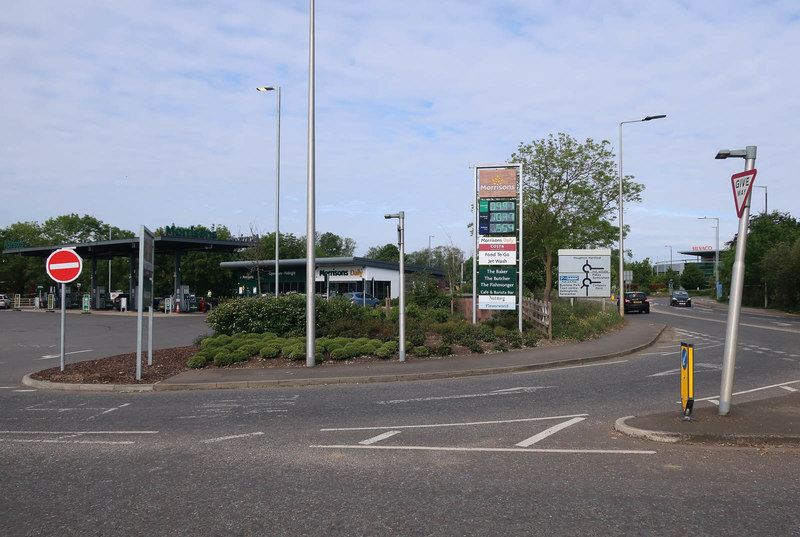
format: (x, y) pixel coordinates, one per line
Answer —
(497, 217)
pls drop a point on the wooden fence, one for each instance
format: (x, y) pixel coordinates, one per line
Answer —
(539, 314)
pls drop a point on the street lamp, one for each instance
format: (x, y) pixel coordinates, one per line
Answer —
(765, 196)
(277, 179)
(670, 255)
(737, 283)
(716, 253)
(429, 248)
(311, 255)
(621, 249)
(401, 245)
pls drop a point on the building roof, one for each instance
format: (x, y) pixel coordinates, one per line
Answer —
(130, 247)
(329, 261)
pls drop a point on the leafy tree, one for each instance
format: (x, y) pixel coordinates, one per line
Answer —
(642, 272)
(765, 232)
(692, 277)
(332, 245)
(781, 265)
(387, 252)
(570, 189)
(72, 228)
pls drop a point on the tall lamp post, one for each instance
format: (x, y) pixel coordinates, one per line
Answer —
(765, 196)
(429, 248)
(669, 270)
(621, 248)
(277, 179)
(401, 245)
(716, 253)
(737, 284)
(311, 255)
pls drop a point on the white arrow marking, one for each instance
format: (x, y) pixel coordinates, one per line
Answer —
(50, 356)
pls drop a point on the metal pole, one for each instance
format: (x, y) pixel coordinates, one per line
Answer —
(475, 251)
(277, 190)
(716, 262)
(310, 206)
(401, 238)
(621, 289)
(520, 262)
(735, 304)
(63, 322)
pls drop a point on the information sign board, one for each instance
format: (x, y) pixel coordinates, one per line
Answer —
(497, 280)
(584, 273)
(497, 251)
(497, 302)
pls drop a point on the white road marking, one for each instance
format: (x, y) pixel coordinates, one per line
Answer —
(51, 356)
(512, 391)
(61, 433)
(720, 321)
(24, 391)
(715, 399)
(107, 411)
(703, 365)
(567, 367)
(547, 432)
(789, 388)
(222, 438)
(462, 424)
(35, 441)
(378, 438)
(495, 450)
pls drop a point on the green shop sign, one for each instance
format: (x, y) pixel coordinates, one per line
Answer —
(497, 280)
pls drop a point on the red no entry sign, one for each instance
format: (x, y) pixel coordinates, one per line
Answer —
(64, 265)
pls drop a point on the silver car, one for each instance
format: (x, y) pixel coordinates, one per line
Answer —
(5, 302)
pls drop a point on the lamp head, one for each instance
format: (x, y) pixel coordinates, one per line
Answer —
(266, 88)
(648, 118)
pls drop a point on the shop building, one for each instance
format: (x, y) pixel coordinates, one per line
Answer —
(333, 276)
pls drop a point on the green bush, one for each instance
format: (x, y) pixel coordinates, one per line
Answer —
(487, 333)
(501, 332)
(585, 320)
(269, 351)
(223, 358)
(383, 352)
(198, 361)
(500, 346)
(531, 338)
(438, 315)
(251, 349)
(444, 350)
(339, 354)
(420, 350)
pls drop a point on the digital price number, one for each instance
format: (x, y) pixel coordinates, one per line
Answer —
(497, 217)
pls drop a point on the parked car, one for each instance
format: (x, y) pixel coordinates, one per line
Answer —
(680, 298)
(5, 302)
(362, 299)
(636, 301)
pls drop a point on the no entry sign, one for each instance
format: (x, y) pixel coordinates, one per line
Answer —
(64, 265)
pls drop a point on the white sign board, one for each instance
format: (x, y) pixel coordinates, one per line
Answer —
(584, 273)
(497, 302)
(497, 250)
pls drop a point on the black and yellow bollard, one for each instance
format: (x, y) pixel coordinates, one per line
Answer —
(687, 380)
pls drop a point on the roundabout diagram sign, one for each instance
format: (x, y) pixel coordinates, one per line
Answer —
(64, 265)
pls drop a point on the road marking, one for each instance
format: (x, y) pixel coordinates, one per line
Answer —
(24, 391)
(51, 356)
(36, 441)
(495, 450)
(567, 367)
(222, 438)
(789, 388)
(378, 438)
(462, 424)
(61, 433)
(783, 385)
(512, 391)
(547, 432)
(107, 411)
(707, 367)
(764, 327)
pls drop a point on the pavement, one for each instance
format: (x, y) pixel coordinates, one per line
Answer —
(767, 422)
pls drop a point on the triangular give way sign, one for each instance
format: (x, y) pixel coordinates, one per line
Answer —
(742, 185)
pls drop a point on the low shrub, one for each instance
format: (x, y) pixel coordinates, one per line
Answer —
(500, 346)
(420, 350)
(198, 361)
(269, 351)
(444, 350)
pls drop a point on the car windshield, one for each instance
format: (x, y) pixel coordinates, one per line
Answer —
(681, 294)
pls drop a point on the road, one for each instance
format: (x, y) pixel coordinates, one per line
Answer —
(531, 453)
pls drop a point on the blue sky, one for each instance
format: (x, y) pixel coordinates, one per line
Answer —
(146, 112)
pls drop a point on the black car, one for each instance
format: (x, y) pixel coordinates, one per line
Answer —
(680, 298)
(636, 301)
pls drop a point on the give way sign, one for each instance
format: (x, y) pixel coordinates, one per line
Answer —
(742, 184)
(64, 265)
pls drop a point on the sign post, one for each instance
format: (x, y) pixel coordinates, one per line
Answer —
(145, 296)
(742, 185)
(64, 266)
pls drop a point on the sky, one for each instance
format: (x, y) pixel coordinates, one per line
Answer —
(146, 112)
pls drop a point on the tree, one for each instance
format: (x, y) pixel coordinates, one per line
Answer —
(692, 277)
(765, 232)
(570, 190)
(642, 273)
(332, 245)
(781, 265)
(387, 252)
